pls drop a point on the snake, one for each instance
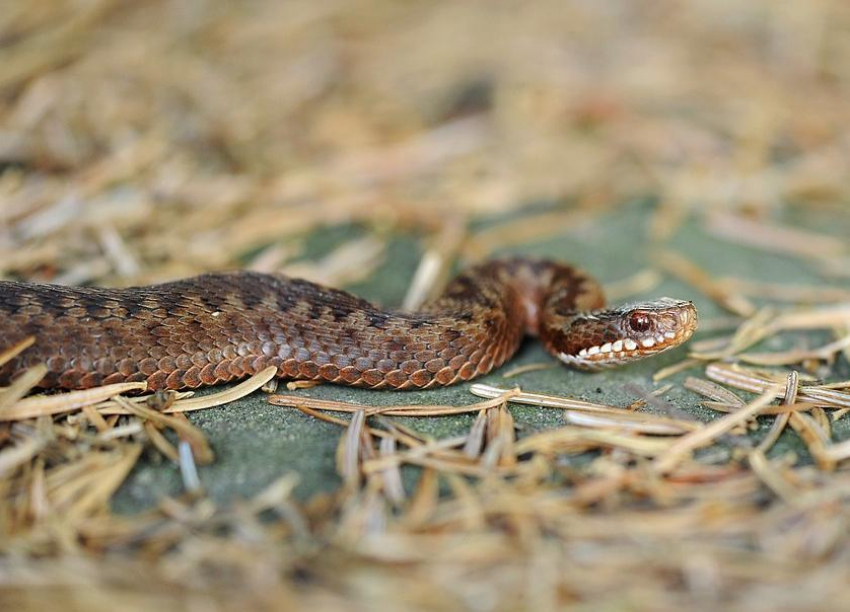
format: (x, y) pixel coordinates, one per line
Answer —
(226, 326)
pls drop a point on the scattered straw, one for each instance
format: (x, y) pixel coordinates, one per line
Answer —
(349, 263)
(295, 401)
(825, 352)
(320, 139)
(773, 237)
(436, 263)
(16, 349)
(529, 367)
(640, 283)
(690, 442)
(670, 370)
(40, 405)
(639, 422)
(689, 272)
(778, 426)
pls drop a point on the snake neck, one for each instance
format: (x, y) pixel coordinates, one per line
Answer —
(542, 297)
(566, 309)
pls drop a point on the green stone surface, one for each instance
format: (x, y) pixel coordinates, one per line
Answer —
(255, 442)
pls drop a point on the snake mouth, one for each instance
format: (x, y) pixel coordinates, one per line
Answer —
(631, 333)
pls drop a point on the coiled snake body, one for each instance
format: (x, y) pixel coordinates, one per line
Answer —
(222, 327)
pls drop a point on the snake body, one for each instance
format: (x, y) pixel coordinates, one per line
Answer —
(222, 327)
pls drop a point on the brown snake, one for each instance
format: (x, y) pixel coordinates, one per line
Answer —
(221, 327)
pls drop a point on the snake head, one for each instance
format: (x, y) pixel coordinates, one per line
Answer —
(605, 338)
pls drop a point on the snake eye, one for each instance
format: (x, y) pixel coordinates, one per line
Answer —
(639, 322)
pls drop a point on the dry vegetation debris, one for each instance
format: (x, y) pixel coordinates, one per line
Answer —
(226, 134)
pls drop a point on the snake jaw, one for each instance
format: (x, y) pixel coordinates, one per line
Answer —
(629, 333)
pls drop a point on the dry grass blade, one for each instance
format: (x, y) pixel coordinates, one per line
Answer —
(225, 397)
(753, 330)
(705, 435)
(295, 385)
(55, 46)
(106, 482)
(321, 416)
(392, 483)
(776, 238)
(424, 500)
(538, 399)
(13, 351)
(687, 271)
(619, 423)
(500, 439)
(438, 453)
(782, 409)
(826, 398)
(683, 365)
(642, 282)
(274, 257)
(21, 453)
(435, 265)
(784, 292)
(182, 427)
(96, 419)
(41, 405)
(778, 426)
(790, 357)
(741, 378)
(772, 477)
(353, 261)
(277, 494)
(529, 367)
(22, 385)
(84, 487)
(295, 401)
(813, 318)
(577, 440)
(475, 440)
(124, 431)
(609, 416)
(713, 391)
(838, 452)
(737, 377)
(815, 438)
(160, 442)
(484, 242)
(348, 451)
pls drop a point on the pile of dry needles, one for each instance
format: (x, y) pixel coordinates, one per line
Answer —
(228, 134)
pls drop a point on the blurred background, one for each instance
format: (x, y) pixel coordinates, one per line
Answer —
(141, 141)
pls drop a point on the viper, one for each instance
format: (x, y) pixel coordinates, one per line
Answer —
(221, 327)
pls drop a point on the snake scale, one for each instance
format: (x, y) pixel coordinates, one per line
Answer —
(225, 326)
